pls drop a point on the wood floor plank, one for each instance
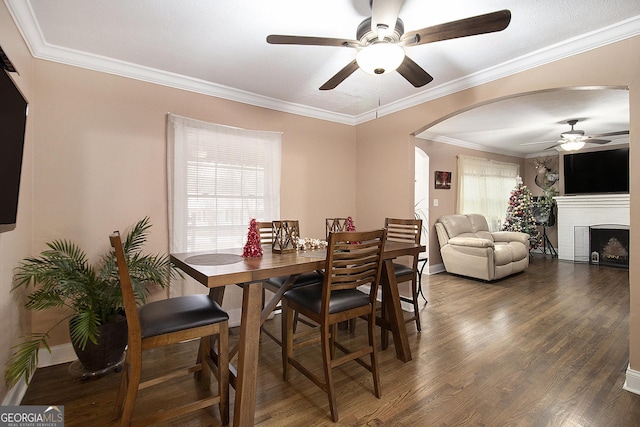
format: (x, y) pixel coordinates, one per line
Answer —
(548, 347)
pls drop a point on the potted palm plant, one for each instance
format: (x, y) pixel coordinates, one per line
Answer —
(63, 277)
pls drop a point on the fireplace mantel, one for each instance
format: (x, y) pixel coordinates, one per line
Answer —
(577, 213)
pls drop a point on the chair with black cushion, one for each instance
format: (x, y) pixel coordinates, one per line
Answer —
(407, 231)
(279, 285)
(353, 259)
(166, 322)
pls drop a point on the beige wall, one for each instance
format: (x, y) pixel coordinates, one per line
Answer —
(16, 244)
(384, 144)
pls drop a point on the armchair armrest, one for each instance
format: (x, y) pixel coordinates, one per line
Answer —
(474, 242)
(510, 236)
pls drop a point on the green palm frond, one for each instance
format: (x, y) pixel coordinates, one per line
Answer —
(83, 327)
(137, 237)
(24, 360)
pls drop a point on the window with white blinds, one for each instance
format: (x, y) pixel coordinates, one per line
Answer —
(219, 178)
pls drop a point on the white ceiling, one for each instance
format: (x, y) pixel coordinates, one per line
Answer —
(219, 48)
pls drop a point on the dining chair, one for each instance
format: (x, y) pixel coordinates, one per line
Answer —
(407, 231)
(279, 285)
(334, 225)
(353, 259)
(166, 322)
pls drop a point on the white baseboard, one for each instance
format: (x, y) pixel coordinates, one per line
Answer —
(632, 382)
(15, 394)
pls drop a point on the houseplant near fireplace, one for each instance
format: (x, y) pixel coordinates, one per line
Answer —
(63, 277)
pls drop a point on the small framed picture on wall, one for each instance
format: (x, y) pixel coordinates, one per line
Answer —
(443, 180)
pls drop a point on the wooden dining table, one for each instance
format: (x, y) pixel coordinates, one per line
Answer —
(216, 270)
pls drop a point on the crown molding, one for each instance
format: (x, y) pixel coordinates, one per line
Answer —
(23, 16)
(470, 145)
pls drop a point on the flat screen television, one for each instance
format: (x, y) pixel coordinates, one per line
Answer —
(597, 172)
(13, 119)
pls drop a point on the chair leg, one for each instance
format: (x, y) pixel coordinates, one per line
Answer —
(371, 326)
(122, 389)
(384, 332)
(327, 349)
(287, 339)
(424, 264)
(204, 374)
(416, 309)
(223, 373)
(131, 392)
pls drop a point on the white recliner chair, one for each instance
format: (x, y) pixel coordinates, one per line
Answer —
(468, 248)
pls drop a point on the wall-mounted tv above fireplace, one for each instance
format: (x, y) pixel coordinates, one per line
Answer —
(597, 172)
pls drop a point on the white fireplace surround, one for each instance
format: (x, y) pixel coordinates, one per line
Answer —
(577, 213)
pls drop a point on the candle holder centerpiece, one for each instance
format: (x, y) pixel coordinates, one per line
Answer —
(285, 236)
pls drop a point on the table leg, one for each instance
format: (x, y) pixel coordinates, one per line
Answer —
(245, 404)
(391, 300)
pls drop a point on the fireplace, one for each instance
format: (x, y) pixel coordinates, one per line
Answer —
(609, 245)
(576, 214)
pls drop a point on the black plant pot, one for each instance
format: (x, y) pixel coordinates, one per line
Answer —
(108, 352)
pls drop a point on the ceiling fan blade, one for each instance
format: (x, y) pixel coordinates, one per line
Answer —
(597, 141)
(340, 76)
(311, 41)
(621, 132)
(384, 14)
(481, 24)
(414, 73)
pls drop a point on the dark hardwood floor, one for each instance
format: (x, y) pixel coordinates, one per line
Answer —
(548, 347)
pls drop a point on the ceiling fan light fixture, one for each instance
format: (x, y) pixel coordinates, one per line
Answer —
(572, 135)
(380, 58)
(571, 145)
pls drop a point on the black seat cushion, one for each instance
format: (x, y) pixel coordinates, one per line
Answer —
(401, 269)
(302, 280)
(179, 313)
(342, 300)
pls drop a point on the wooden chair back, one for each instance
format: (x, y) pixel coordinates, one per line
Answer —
(353, 259)
(405, 231)
(335, 225)
(265, 229)
(130, 306)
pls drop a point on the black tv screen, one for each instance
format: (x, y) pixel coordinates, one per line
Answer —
(597, 172)
(13, 118)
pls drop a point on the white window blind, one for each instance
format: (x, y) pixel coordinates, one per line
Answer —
(219, 178)
(484, 187)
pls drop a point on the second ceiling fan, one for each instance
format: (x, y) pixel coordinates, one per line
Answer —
(575, 139)
(381, 37)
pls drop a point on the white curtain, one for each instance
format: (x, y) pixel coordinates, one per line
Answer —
(484, 187)
(219, 177)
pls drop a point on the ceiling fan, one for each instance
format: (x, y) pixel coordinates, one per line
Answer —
(575, 139)
(381, 40)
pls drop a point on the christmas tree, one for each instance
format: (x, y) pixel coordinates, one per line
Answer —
(520, 214)
(253, 248)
